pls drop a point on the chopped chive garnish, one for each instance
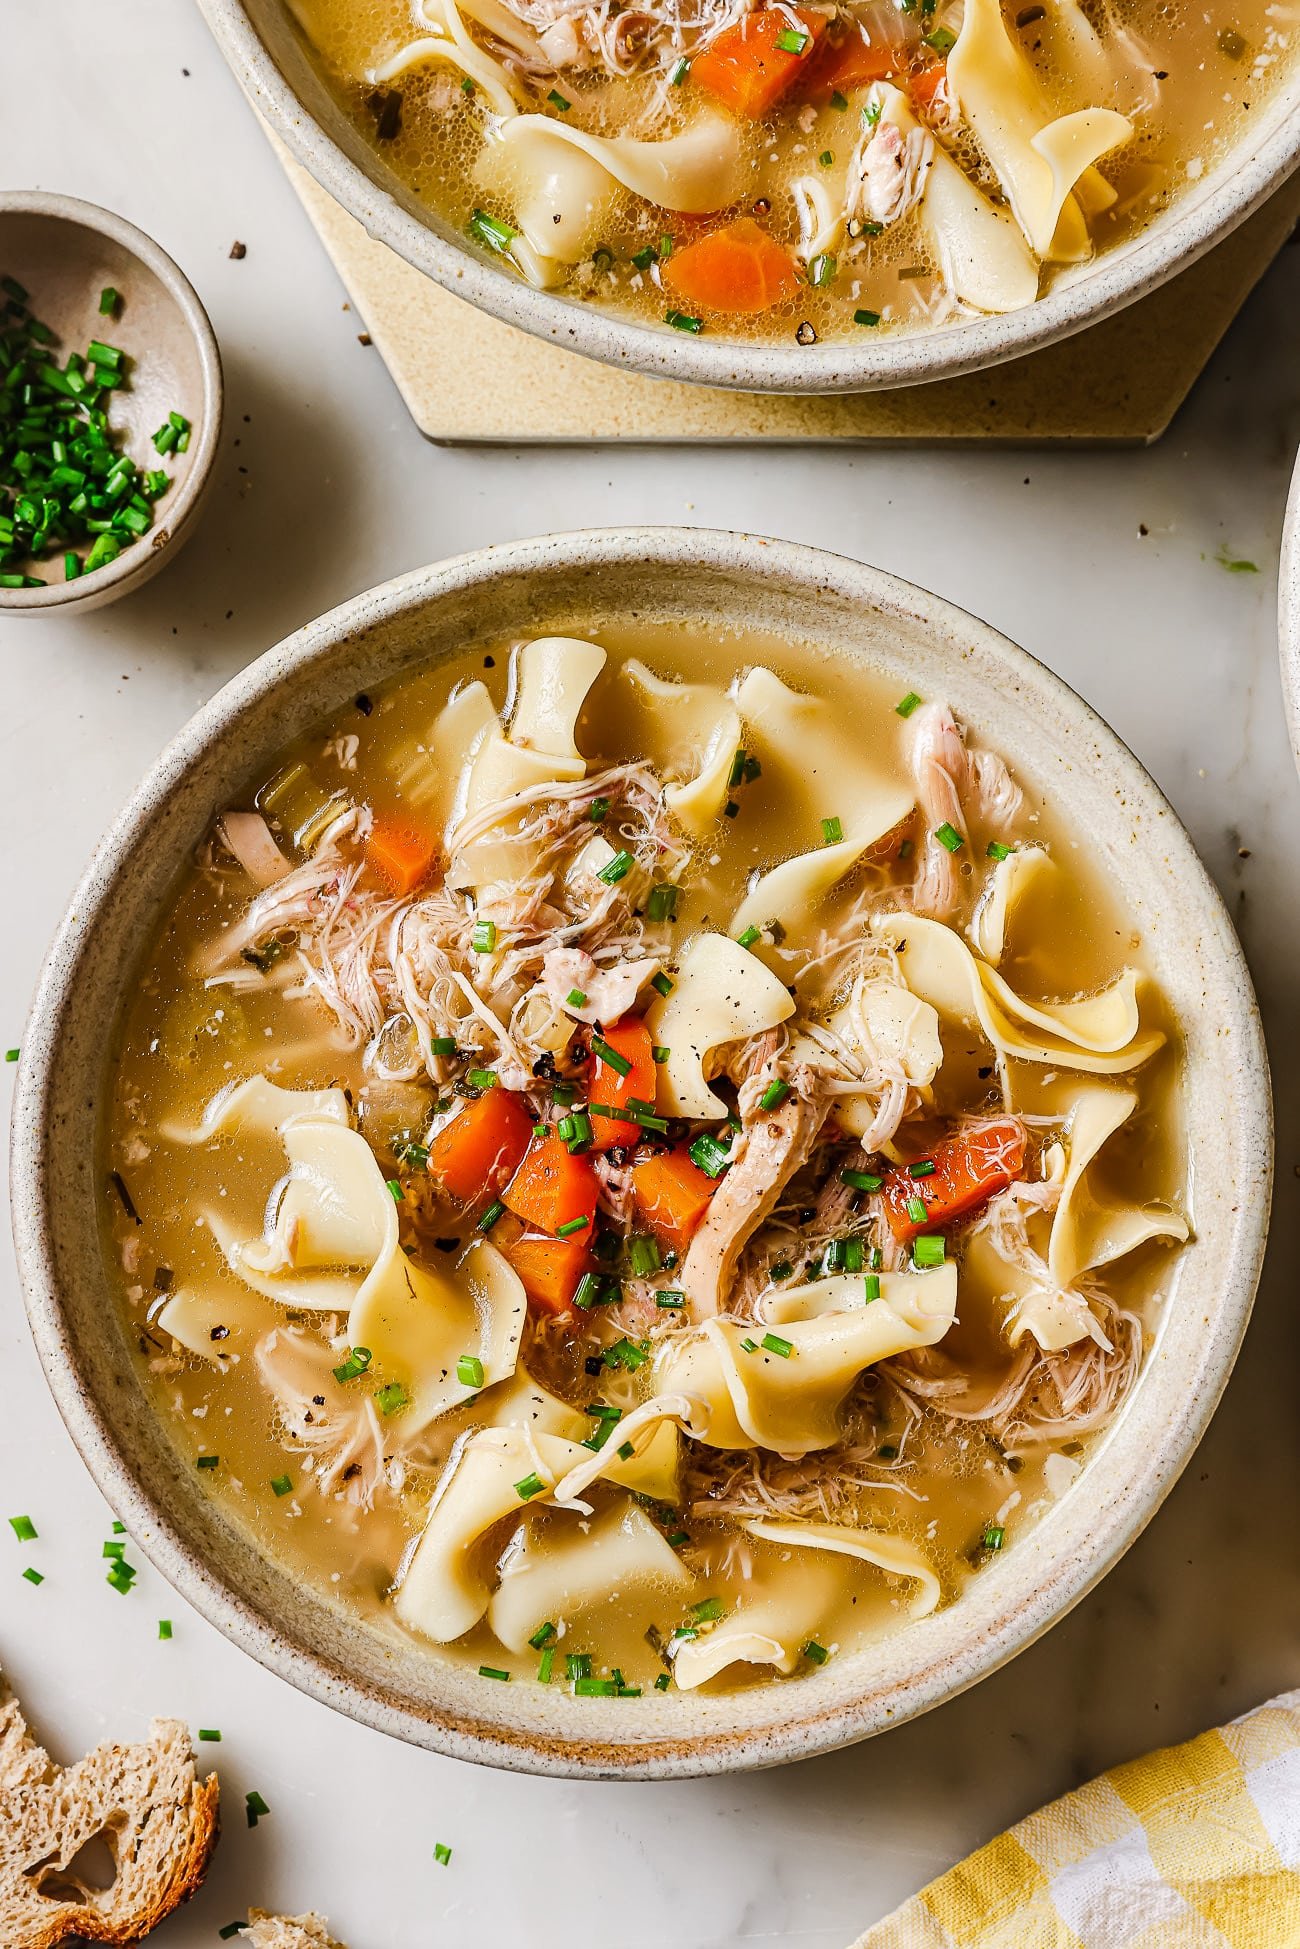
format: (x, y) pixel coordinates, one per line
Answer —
(662, 984)
(644, 1254)
(928, 1251)
(737, 771)
(774, 1094)
(996, 850)
(255, 1807)
(871, 1286)
(709, 1155)
(492, 1671)
(662, 904)
(33, 1576)
(481, 1079)
(821, 269)
(917, 1211)
(949, 837)
(617, 868)
(491, 231)
(663, 1682)
(659, 1054)
(441, 1854)
(443, 1045)
(941, 39)
(708, 1610)
(626, 1353)
(579, 1134)
(839, 101)
(610, 1057)
(23, 1528)
(392, 1398)
(12, 1055)
(791, 41)
(923, 1168)
(853, 1255)
(577, 1664)
(826, 158)
(392, 1185)
(469, 1370)
(484, 938)
(562, 1094)
(571, 1226)
(679, 73)
(748, 938)
(749, 1346)
(544, 1634)
(207, 1461)
(861, 1180)
(643, 259)
(815, 1653)
(865, 317)
(832, 832)
(209, 1732)
(115, 1547)
(670, 1300)
(575, 998)
(530, 1486)
(682, 321)
(282, 1485)
(594, 1688)
(108, 301)
(596, 810)
(494, 1211)
(731, 809)
(781, 1270)
(544, 1664)
(994, 1536)
(164, 1627)
(773, 1343)
(232, 1928)
(906, 705)
(557, 101)
(587, 1291)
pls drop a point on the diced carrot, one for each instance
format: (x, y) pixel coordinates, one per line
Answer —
(923, 87)
(672, 1194)
(552, 1187)
(475, 1151)
(550, 1269)
(630, 1039)
(400, 855)
(968, 1169)
(739, 269)
(748, 68)
(840, 67)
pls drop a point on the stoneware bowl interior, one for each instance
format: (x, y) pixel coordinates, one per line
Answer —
(66, 252)
(1288, 613)
(266, 49)
(582, 583)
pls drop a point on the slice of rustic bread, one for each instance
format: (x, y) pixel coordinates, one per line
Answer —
(139, 1807)
(288, 1931)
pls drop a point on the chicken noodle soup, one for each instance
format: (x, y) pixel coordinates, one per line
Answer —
(812, 170)
(643, 1163)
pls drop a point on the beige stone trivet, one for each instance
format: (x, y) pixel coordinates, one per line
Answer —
(468, 378)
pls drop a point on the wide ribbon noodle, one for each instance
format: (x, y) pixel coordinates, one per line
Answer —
(790, 1401)
(690, 733)
(813, 761)
(721, 993)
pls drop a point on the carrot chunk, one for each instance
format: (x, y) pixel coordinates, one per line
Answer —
(401, 856)
(968, 1169)
(840, 67)
(609, 1083)
(749, 66)
(923, 87)
(549, 1269)
(480, 1147)
(553, 1189)
(739, 269)
(672, 1194)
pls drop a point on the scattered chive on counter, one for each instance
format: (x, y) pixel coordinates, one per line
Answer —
(255, 1807)
(23, 1528)
(65, 482)
(442, 1854)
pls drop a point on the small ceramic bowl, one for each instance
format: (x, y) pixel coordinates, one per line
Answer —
(1288, 613)
(584, 583)
(66, 253)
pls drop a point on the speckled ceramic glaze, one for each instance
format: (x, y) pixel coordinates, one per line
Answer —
(65, 252)
(1288, 613)
(579, 583)
(266, 50)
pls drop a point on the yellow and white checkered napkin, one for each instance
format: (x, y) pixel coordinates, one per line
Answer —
(1193, 1847)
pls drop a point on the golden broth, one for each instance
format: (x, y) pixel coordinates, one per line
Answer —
(947, 1486)
(1188, 77)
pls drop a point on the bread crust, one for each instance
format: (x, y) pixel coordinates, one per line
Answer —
(159, 1821)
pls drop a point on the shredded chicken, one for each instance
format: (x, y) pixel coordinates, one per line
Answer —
(777, 1144)
(340, 1431)
(887, 173)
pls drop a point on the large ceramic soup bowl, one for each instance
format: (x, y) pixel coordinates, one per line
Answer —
(1288, 613)
(814, 315)
(1041, 1532)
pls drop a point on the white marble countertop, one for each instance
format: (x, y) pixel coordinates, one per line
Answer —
(1105, 566)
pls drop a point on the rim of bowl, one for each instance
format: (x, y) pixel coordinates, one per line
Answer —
(1244, 178)
(53, 206)
(1061, 1558)
(1288, 612)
